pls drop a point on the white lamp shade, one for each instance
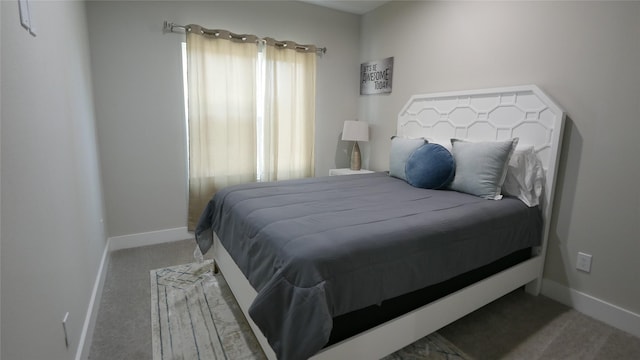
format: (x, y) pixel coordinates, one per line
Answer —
(355, 131)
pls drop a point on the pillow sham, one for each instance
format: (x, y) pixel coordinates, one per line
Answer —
(446, 144)
(481, 167)
(431, 166)
(401, 149)
(525, 177)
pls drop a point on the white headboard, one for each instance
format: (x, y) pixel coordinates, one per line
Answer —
(491, 114)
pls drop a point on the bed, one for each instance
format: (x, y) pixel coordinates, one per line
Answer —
(335, 250)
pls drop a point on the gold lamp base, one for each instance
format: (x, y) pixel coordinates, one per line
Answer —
(356, 162)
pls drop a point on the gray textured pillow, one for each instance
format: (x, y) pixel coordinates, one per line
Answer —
(401, 149)
(481, 167)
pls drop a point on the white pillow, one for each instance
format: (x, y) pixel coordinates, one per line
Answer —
(446, 143)
(525, 177)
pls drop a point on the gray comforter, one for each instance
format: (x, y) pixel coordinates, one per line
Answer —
(317, 248)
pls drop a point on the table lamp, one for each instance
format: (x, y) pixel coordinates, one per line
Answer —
(355, 131)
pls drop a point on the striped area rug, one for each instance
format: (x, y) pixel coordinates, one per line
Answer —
(194, 316)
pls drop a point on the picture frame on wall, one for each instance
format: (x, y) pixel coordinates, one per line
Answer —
(376, 77)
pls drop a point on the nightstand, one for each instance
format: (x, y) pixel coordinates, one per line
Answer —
(347, 171)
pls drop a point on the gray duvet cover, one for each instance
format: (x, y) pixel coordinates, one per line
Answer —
(317, 248)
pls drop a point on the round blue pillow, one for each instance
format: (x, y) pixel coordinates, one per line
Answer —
(431, 166)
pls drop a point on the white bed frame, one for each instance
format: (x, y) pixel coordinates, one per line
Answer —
(489, 114)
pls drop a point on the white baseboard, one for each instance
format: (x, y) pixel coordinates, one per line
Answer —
(148, 238)
(613, 315)
(86, 337)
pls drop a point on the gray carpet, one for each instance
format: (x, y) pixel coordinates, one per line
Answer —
(517, 326)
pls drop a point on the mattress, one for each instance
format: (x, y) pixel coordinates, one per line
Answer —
(318, 248)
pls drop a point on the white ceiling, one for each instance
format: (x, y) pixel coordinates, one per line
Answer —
(354, 6)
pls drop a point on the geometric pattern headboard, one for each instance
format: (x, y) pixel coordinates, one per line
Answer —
(491, 114)
(525, 112)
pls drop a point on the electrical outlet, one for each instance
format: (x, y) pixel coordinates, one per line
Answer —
(583, 262)
(64, 327)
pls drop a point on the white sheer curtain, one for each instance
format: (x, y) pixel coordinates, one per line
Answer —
(221, 77)
(231, 139)
(289, 117)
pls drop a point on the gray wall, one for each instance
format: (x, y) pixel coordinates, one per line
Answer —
(0, 186)
(139, 101)
(583, 54)
(52, 237)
